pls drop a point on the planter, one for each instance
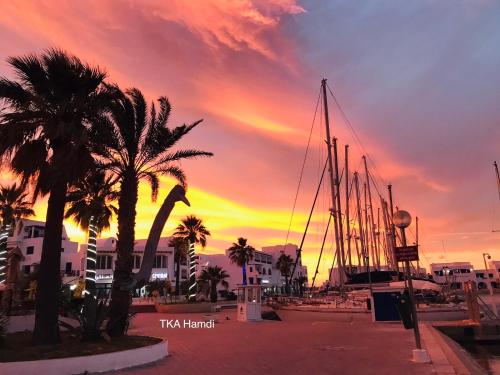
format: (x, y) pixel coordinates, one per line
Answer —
(90, 363)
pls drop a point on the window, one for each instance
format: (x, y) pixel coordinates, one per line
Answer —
(137, 261)
(250, 280)
(30, 250)
(184, 274)
(103, 262)
(68, 267)
(251, 269)
(160, 261)
(26, 269)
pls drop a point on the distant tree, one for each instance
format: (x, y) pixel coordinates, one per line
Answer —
(240, 253)
(14, 204)
(300, 283)
(214, 276)
(192, 230)
(90, 205)
(284, 264)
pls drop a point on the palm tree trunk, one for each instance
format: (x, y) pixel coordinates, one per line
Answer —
(120, 297)
(49, 280)
(213, 292)
(91, 258)
(192, 273)
(244, 271)
(4, 235)
(178, 276)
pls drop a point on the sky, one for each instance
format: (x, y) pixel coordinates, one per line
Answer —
(417, 80)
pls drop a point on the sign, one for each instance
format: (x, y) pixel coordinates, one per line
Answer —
(406, 253)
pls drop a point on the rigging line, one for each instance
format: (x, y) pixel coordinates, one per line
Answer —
(302, 169)
(299, 251)
(356, 137)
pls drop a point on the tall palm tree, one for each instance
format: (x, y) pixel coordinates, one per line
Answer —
(137, 145)
(192, 230)
(240, 253)
(44, 136)
(89, 204)
(181, 248)
(13, 206)
(214, 276)
(284, 264)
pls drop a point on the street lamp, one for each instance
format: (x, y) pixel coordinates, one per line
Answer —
(402, 220)
(484, 258)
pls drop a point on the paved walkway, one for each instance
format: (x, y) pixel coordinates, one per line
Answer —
(303, 343)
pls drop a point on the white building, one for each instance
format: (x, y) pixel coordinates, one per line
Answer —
(457, 273)
(28, 237)
(163, 266)
(494, 268)
(261, 270)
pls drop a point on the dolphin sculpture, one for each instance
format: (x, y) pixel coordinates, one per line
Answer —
(177, 194)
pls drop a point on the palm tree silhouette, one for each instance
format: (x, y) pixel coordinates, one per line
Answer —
(89, 204)
(192, 230)
(214, 276)
(45, 136)
(13, 206)
(181, 247)
(240, 253)
(284, 264)
(137, 145)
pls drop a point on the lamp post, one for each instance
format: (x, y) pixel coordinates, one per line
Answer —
(402, 220)
(484, 258)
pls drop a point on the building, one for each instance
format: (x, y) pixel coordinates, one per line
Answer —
(28, 237)
(494, 268)
(457, 273)
(163, 266)
(261, 270)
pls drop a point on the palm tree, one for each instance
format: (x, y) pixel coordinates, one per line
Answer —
(240, 253)
(89, 204)
(192, 230)
(13, 206)
(300, 281)
(44, 136)
(213, 276)
(284, 264)
(137, 145)
(181, 247)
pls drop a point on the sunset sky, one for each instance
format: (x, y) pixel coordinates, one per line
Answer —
(419, 81)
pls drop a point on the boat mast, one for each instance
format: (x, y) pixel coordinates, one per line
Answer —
(393, 230)
(341, 261)
(376, 260)
(332, 180)
(498, 177)
(360, 218)
(416, 243)
(348, 227)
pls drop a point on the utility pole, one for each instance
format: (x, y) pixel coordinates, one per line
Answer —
(348, 227)
(332, 181)
(376, 260)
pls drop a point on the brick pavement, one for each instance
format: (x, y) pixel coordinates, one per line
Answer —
(303, 343)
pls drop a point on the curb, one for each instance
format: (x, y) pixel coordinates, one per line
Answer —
(91, 363)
